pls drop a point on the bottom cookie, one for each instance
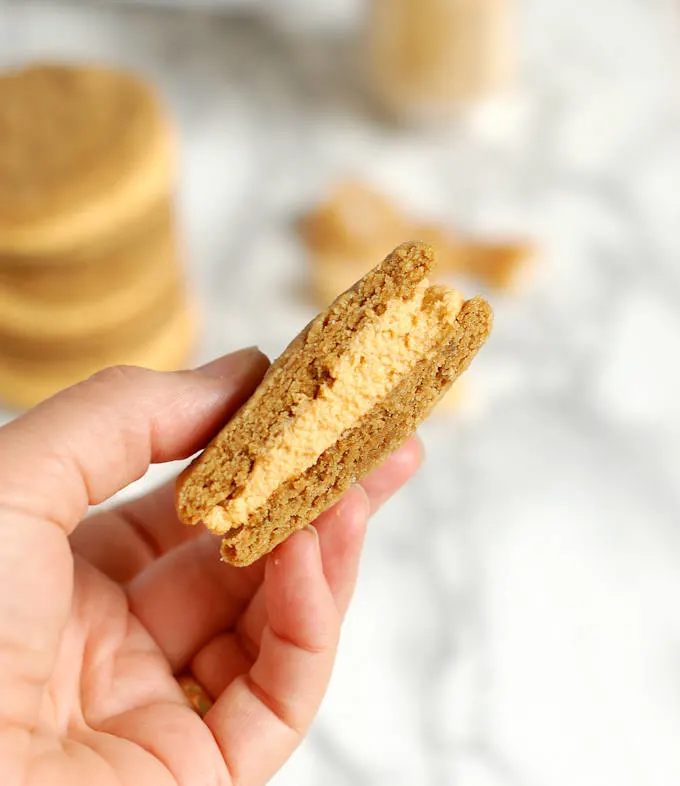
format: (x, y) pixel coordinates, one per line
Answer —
(24, 384)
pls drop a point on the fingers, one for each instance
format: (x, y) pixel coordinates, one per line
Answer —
(381, 484)
(91, 440)
(189, 595)
(341, 533)
(262, 716)
(190, 601)
(124, 541)
(72, 451)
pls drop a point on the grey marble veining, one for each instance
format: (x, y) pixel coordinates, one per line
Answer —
(518, 614)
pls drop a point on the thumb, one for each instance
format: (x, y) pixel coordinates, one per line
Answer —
(72, 451)
(86, 443)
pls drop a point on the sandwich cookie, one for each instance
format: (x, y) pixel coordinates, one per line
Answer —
(350, 389)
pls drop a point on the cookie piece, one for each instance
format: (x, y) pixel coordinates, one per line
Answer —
(84, 150)
(503, 266)
(346, 393)
(358, 224)
(334, 270)
(196, 694)
(25, 382)
(354, 219)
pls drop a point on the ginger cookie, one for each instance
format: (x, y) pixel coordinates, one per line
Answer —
(25, 382)
(350, 389)
(88, 309)
(84, 150)
(123, 337)
(93, 270)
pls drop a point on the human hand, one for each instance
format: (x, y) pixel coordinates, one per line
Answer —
(97, 619)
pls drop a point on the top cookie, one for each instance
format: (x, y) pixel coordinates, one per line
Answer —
(83, 151)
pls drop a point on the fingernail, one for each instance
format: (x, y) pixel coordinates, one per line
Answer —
(313, 531)
(240, 362)
(361, 491)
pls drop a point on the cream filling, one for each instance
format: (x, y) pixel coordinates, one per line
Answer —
(378, 357)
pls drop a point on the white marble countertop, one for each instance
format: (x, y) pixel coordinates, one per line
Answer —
(518, 615)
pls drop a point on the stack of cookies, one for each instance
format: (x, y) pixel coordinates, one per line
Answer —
(90, 274)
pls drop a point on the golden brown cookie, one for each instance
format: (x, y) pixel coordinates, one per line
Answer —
(196, 694)
(357, 225)
(356, 217)
(25, 382)
(347, 392)
(122, 337)
(92, 270)
(353, 228)
(503, 266)
(84, 151)
(84, 309)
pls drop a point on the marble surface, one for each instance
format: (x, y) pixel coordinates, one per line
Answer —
(518, 614)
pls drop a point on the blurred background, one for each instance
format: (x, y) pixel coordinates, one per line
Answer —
(518, 614)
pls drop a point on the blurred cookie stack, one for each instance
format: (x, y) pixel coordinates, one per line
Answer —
(90, 274)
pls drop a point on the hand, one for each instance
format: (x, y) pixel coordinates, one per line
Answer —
(98, 618)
